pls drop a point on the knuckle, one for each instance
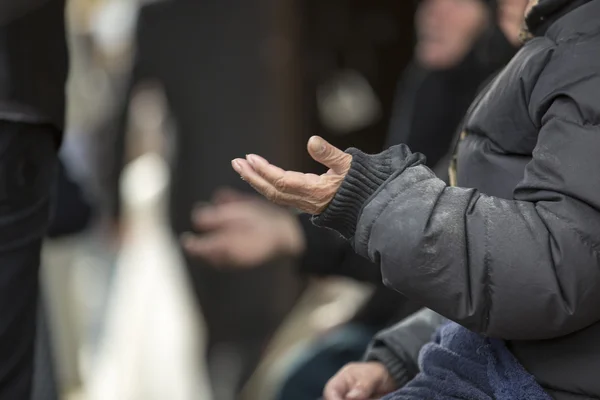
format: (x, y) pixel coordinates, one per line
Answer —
(272, 194)
(281, 183)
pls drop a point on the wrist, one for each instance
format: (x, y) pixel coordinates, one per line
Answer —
(367, 174)
(387, 382)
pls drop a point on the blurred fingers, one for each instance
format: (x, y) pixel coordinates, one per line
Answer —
(212, 248)
(227, 195)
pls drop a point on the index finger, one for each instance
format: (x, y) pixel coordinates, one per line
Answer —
(261, 185)
(285, 181)
(206, 218)
(248, 174)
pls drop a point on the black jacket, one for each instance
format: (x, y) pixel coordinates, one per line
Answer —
(514, 252)
(33, 61)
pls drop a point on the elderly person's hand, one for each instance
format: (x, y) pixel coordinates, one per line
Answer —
(307, 192)
(360, 381)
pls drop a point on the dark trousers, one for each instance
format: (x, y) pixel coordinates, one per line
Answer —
(241, 309)
(27, 170)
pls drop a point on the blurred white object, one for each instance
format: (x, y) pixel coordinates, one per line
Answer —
(152, 345)
(347, 103)
(113, 24)
(346, 297)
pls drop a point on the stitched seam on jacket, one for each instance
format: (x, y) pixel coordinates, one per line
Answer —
(582, 124)
(576, 36)
(582, 236)
(486, 268)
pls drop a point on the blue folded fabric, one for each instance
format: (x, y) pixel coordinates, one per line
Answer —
(460, 364)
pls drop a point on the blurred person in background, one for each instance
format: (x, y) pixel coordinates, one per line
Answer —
(209, 60)
(212, 61)
(511, 256)
(33, 71)
(459, 45)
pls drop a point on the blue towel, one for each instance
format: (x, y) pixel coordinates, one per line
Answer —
(460, 364)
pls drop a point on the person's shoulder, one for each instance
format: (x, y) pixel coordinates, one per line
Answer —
(573, 70)
(576, 38)
(581, 24)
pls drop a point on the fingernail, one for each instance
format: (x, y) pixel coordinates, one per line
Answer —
(354, 394)
(236, 166)
(255, 160)
(317, 145)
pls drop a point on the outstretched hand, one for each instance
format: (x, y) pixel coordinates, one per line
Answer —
(307, 192)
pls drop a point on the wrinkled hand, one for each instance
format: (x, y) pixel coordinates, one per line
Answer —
(307, 192)
(360, 381)
(243, 231)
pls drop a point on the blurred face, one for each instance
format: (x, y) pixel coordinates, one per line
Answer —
(447, 29)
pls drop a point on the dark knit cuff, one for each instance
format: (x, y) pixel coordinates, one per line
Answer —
(392, 363)
(367, 174)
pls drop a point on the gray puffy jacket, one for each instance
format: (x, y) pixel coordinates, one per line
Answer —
(398, 347)
(514, 253)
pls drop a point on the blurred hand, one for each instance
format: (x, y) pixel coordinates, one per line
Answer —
(243, 231)
(360, 381)
(511, 17)
(307, 192)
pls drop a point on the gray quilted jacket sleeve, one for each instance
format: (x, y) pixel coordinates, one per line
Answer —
(526, 268)
(398, 347)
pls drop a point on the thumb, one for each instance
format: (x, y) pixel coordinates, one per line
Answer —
(332, 157)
